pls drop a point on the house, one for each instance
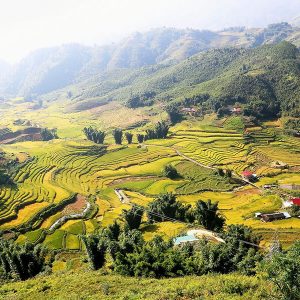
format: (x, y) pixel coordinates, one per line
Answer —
(275, 216)
(236, 110)
(296, 133)
(189, 110)
(185, 239)
(270, 186)
(258, 215)
(247, 175)
(294, 187)
(197, 234)
(292, 202)
(296, 201)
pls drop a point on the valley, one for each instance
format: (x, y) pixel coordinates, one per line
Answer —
(57, 170)
(151, 167)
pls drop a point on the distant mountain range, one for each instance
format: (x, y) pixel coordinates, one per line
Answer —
(47, 70)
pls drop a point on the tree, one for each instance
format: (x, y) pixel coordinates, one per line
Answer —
(174, 114)
(118, 136)
(113, 231)
(133, 217)
(129, 137)
(170, 172)
(22, 261)
(48, 134)
(228, 173)
(140, 138)
(283, 269)
(94, 135)
(221, 172)
(166, 206)
(95, 249)
(160, 131)
(206, 213)
(4, 177)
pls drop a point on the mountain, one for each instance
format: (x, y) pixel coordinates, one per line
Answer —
(266, 74)
(108, 67)
(46, 70)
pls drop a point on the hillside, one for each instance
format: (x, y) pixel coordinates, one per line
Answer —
(47, 70)
(93, 285)
(266, 76)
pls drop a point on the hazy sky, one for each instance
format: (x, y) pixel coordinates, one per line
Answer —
(29, 24)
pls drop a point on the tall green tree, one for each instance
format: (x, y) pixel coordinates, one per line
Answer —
(170, 172)
(118, 136)
(166, 206)
(133, 217)
(140, 138)
(283, 269)
(94, 135)
(207, 214)
(95, 248)
(22, 261)
(129, 137)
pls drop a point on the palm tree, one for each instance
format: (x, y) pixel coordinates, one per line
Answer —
(206, 213)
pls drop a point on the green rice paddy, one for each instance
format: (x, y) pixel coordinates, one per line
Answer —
(58, 169)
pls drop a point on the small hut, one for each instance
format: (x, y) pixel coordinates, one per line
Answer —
(275, 216)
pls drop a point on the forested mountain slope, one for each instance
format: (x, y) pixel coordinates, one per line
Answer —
(265, 78)
(47, 70)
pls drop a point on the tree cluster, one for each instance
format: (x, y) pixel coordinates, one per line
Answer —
(4, 177)
(170, 172)
(133, 256)
(144, 99)
(292, 127)
(173, 111)
(165, 207)
(49, 134)
(94, 135)
(21, 261)
(283, 269)
(160, 131)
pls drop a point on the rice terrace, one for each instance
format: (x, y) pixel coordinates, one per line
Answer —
(162, 166)
(57, 172)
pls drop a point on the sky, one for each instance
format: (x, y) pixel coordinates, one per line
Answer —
(26, 25)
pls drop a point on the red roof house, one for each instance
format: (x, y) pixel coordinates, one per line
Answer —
(247, 174)
(296, 201)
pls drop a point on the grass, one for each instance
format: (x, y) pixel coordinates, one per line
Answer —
(94, 285)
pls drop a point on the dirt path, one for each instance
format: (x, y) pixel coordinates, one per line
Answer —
(65, 218)
(122, 197)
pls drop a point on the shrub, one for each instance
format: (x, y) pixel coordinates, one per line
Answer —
(170, 172)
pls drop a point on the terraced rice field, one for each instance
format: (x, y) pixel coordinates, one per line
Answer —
(55, 171)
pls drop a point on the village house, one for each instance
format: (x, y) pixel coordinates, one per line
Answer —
(294, 187)
(236, 110)
(270, 186)
(296, 201)
(189, 110)
(248, 175)
(274, 216)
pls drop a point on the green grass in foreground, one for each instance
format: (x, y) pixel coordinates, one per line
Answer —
(93, 285)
